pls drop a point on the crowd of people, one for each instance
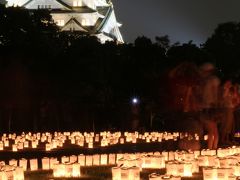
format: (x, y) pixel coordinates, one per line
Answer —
(199, 96)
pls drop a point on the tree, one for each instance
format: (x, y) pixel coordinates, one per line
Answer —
(224, 46)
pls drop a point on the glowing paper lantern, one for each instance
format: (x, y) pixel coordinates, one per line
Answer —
(76, 170)
(111, 159)
(134, 173)
(23, 163)
(187, 170)
(48, 147)
(14, 148)
(1, 145)
(26, 144)
(171, 168)
(18, 174)
(33, 164)
(53, 162)
(236, 169)
(223, 173)
(73, 159)
(6, 143)
(210, 173)
(125, 173)
(59, 170)
(89, 160)
(13, 162)
(64, 159)
(104, 159)
(96, 159)
(45, 163)
(81, 159)
(116, 173)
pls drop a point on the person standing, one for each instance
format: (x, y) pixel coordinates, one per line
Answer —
(210, 84)
(229, 102)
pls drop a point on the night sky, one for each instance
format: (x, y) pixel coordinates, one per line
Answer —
(182, 20)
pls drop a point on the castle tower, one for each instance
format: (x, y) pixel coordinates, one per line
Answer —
(94, 17)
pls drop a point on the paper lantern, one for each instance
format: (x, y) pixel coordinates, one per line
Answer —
(187, 170)
(45, 163)
(76, 170)
(73, 159)
(203, 161)
(196, 153)
(48, 147)
(68, 170)
(121, 140)
(33, 164)
(223, 173)
(13, 162)
(104, 159)
(96, 138)
(236, 169)
(1, 145)
(6, 143)
(8, 174)
(20, 145)
(53, 161)
(165, 154)
(171, 168)
(89, 160)
(64, 159)
(116, 173)
(134, 173)
(90, 145)
(171, 156)
(213, 161)
(195, 166)
(125, 173)
(58, 170)
(23, 163)
(96, 159)
(18, 174)
(147, 162)
(81, 159)
(34, 144)
(111, 159)
(209, 173)
(14, 148)
(158, 162)
(189, 156)
(26, 144)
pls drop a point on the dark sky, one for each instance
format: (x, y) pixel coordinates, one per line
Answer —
(182, 20)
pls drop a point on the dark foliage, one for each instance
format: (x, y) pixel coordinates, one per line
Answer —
(52, 80)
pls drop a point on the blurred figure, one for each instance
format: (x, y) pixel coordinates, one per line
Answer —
(210, 84)
(184, 80)
(237, 108)
(229, 103)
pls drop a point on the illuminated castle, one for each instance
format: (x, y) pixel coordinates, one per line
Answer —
(94, 17)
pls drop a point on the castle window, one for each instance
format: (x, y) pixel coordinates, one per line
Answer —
(60, 22)
(85, 22)
(77, 3)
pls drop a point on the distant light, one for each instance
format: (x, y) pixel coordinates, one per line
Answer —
(134, 100)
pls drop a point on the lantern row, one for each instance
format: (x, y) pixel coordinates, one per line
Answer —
(217, 164)
(56, 140)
